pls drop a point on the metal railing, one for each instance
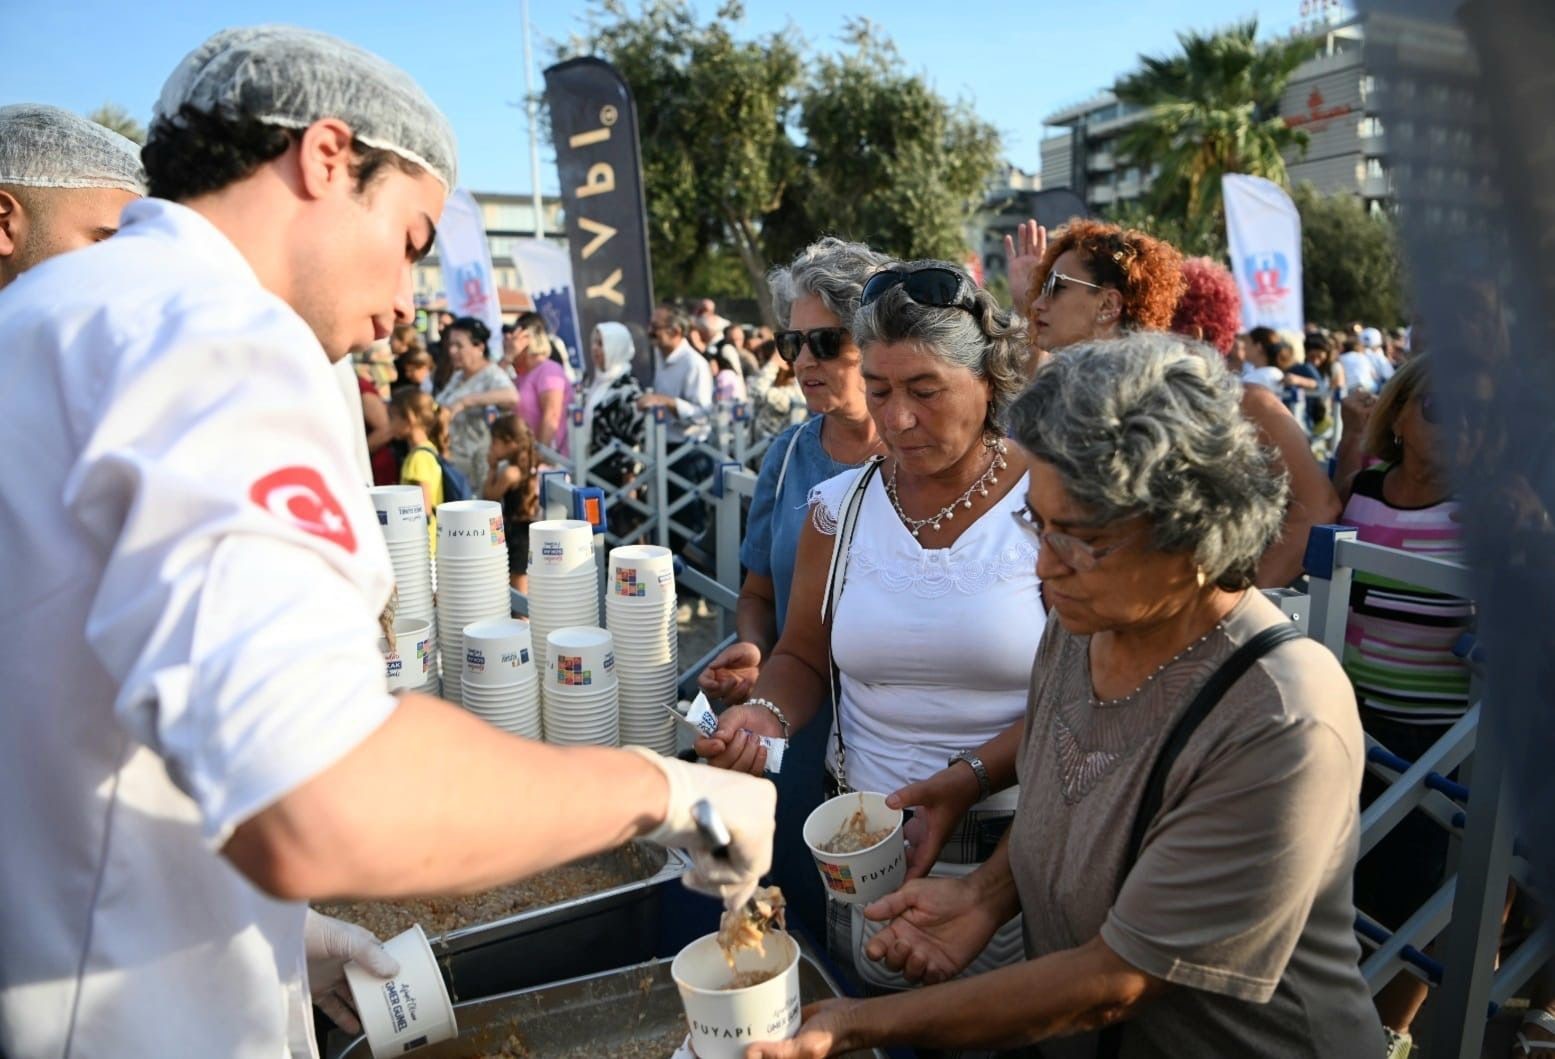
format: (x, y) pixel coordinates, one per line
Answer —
(1463, 917)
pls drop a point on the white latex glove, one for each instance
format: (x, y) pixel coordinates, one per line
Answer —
(329, 944)
(748, 806)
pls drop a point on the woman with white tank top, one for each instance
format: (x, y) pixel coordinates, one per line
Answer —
(934, 612)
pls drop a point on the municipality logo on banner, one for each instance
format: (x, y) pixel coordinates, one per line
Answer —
(465, 258)
(545, 272)
(1264, 231)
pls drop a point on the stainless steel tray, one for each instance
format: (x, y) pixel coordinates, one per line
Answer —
(587, 1018)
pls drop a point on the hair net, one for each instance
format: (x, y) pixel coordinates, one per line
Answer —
(46, 147)
(291, 77)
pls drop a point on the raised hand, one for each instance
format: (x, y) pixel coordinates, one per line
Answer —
(1024, 254)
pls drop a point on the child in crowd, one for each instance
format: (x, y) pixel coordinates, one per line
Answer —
(417, 421)
(511, 478)
(415, 371)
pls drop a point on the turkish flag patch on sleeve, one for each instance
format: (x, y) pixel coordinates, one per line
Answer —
(298, 495)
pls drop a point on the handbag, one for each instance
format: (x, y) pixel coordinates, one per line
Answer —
(1109, 1043)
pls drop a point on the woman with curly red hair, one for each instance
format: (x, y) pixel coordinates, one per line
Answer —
(1210, 309)
(1094, 280)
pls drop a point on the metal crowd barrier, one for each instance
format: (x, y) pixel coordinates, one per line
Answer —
(1463, 917)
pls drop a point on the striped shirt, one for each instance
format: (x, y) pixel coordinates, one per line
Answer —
(1399, 640)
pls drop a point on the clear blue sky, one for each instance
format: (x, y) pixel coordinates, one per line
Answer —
(1015, 62)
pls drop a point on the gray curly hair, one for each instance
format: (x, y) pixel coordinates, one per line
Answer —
(831, 269)
(1151, 424)
(988, 341)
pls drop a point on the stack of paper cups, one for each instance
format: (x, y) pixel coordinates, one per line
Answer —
(472, 579)
(402, 517)
(563, 579)
(640, 613)
(499, 680)
(579, 703)
(411, 660)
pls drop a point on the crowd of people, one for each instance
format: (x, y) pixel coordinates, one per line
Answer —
(1002, 563)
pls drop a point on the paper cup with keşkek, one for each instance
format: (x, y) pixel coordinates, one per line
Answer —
(409, 1010)
(724, 1020)
(861, 876)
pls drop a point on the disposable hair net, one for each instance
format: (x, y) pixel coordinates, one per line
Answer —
(291, 77)
(46, 147)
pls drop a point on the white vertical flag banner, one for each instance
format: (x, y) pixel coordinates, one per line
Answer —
(545, 273)
(465, 259)
(1263, 230)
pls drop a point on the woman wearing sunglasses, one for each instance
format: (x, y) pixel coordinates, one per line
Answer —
(816, 297)
(1399, 640)
(937, 611)
(1097, 280)
(1213, 919)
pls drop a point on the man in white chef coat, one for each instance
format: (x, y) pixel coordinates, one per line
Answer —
(196, 735)
(63, 182)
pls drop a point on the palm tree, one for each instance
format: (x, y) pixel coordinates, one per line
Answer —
(1211, 110)
(112, 116)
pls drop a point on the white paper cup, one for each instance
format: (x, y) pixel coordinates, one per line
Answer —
(402, 513)
(497, 653)
(642, 575)
(724, 1021)
(560, 546)
(581, 657)
(469, 529)
(409, 1010)
(410, 661)
(870, 874)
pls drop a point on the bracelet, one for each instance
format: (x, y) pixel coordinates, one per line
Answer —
(984, 787)
(771, 707)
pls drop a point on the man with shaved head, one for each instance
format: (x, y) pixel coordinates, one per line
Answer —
(63, 182)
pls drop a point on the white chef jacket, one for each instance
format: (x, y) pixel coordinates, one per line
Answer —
(191, 578)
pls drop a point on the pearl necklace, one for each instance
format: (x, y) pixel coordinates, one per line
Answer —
(948, 512)
(1163, 667)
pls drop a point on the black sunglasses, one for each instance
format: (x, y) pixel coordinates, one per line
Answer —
(825, 343)
(934, 286)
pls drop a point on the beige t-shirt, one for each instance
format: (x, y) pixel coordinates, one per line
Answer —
(1241, 894)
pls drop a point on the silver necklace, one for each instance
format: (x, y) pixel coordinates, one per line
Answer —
(1163, 667)
(948, 512)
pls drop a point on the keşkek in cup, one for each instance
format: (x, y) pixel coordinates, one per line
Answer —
(411, 1009)
(857, 877)
(725, 1020)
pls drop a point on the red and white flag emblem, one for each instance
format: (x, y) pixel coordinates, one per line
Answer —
(299, 496)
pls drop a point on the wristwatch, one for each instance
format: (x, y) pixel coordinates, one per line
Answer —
(984, 787)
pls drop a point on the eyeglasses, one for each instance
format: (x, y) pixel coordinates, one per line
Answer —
(825, 343)
(1074, 553)
(1050, 285)
(935, 286)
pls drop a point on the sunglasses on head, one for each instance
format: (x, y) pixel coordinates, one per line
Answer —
(934, 286)
(825, 343)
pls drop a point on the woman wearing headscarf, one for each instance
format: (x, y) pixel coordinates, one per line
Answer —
(610, 411)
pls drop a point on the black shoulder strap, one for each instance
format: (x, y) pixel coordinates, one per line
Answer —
(1110, 1041)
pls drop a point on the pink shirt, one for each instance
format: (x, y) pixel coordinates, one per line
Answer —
(544, 378)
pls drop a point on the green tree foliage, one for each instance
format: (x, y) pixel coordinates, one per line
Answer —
(1212, 109)
(1350, 261)
(112, 116)
(751, 148)
(887, 160)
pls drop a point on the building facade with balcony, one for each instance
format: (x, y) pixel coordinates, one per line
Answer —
(1332, 97)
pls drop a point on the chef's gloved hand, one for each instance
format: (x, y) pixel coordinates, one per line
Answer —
(748, 806)
(329, 943)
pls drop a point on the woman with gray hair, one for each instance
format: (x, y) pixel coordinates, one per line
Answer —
(934, 613)
(1187, 826)
(816, 297)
